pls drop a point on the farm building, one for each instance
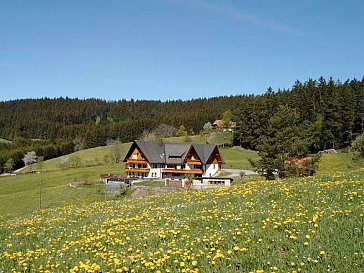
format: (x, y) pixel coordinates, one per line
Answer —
(173, 162)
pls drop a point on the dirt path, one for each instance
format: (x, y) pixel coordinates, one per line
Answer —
(233, 173)
(142, 191)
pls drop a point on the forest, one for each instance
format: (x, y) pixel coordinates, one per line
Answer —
(327, 113)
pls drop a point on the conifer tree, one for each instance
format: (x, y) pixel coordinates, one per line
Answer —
(284, 140)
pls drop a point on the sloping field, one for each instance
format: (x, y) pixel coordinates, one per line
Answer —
(337, 163)
(237, 158)
(85, 158)
(299, 225)
(25, 193)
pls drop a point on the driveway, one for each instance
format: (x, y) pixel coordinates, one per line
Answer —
(233, 173)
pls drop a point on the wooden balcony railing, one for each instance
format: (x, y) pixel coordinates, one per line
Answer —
(137, 170)
(193, 171)
(137, 161)
(194, 162)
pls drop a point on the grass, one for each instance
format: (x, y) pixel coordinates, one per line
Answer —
(91, 157)
(310, 224)
(237, 158)
(20, 193)
(337, 163)
(152, 183)
(197, 139)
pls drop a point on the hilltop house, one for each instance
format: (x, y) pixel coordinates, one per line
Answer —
(219, 124)
(173, 161)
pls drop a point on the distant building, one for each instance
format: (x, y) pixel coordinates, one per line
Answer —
(160, 160)
(219, 124)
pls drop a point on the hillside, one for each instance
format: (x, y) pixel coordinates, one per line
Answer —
(338, 163)
(68, 118)
(309, 225)
(330, 111)
(52, 180)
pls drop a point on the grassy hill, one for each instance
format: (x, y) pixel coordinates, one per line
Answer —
(51, 181)
(85, 158)
(298, 225)
(337, 163)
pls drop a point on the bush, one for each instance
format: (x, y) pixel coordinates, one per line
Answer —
(358, 145)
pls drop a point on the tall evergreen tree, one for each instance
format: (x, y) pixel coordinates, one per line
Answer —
(285, 139)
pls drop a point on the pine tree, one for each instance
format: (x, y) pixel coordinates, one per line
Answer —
(285, 139)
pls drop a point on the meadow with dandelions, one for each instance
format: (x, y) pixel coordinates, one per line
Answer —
(310, 224)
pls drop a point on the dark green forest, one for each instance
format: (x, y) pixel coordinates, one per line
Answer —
(331, 114)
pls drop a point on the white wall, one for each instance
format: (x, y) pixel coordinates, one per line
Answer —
(206, 183)
(157, 171)
(211, 170)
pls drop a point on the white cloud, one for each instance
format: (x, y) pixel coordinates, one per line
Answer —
(241, 15)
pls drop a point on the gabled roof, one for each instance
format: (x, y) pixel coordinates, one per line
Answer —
(153, 151)
(204, 151)
(171, 153)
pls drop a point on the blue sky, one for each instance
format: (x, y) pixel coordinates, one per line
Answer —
(174, 49)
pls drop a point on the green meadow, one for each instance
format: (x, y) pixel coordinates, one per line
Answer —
(338, 163)
(312, 224)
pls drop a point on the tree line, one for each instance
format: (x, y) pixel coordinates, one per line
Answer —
(332, 111)
(288, 127)
(326, 113)
(12, 154)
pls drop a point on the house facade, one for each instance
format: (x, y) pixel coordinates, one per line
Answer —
(160, 160)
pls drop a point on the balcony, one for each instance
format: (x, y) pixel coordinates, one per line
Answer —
(137, 161)
(194, 162)
(137, 170)
(183, 171)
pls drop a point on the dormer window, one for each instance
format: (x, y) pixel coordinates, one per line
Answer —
(174, 156)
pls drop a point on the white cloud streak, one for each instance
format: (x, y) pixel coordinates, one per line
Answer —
(241, 15)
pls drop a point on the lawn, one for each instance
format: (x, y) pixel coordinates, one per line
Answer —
(88, 157)
(153, 183)
(310, 224)
(237, 158)
(337, 163)
(20, 193)
(197, 139)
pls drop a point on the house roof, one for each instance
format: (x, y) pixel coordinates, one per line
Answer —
(204, 151)
(175, 153)
(220, 123)
(171, 153)
(153, 151)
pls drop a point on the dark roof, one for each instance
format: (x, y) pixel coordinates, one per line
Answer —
(175, 153)
(153, 151)
(172, 153)
(204, 151)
